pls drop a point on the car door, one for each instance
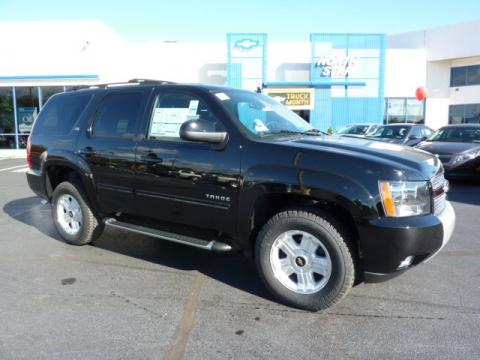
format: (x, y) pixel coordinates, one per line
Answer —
(184, 182)
(108, 147)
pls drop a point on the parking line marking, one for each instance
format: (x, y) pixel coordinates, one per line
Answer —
(176, 348)
(21, 170)
(12, 167)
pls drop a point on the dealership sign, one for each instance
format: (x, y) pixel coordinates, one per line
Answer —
(295, 99)
(336, 66)
(247, 44)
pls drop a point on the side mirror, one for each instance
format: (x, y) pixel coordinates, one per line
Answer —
(413, 137)
(200, 130)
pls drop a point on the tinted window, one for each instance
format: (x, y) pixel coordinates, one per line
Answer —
(457, 134)
(59, 115)
(458, 76)
(473, 75)
(417, 132)
(465, 75)
(171, 110)
(427, 132)
(391, 132)
(354, 129)
(117, 115)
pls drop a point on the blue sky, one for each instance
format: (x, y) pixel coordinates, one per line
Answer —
(282, 19)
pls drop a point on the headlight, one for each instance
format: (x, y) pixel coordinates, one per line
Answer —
(405, 198)
(469, 155)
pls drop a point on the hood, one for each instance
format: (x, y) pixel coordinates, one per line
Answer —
(397, 156)
(446, 148)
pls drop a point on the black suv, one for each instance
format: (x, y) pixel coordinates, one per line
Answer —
(230, 170)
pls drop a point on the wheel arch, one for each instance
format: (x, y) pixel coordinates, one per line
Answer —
(59, 170)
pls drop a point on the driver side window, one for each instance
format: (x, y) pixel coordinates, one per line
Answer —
(172, 109)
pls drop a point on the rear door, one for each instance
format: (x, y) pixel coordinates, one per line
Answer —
(109, 147)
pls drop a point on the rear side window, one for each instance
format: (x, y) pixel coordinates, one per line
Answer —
(60, 114)
(117, 115)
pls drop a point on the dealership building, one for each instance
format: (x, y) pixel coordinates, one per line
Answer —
(329, 79)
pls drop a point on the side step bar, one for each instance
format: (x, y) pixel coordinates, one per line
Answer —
(211, 245)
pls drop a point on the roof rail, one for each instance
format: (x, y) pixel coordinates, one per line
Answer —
(130, 83)
(151, 81)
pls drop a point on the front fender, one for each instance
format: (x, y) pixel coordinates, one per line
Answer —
(316, 185)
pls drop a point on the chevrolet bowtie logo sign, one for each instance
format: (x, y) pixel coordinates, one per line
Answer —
(247, 44)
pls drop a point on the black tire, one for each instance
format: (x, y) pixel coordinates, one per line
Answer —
(91, 227)
(333, 236)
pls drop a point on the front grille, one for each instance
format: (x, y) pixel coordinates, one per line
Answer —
(439, 187)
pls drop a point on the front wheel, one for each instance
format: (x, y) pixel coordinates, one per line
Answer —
(304, 259)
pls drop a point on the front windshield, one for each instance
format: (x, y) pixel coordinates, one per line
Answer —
(390, 132)
(457, 134)
(261, 115)
(354, 129)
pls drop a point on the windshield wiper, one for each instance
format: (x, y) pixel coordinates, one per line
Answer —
(311, 132)
(314, 131)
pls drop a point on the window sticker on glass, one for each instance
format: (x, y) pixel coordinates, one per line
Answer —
(193, 107)
(222, 96)
(166, 122)
(260, 126)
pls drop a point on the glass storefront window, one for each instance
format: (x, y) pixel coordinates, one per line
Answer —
(7, 141)
(27, 108)
(455, 114)
(29, 100)
(395, 111)
(464, 114)
(472, 114)
(404, 110)
(415, 111)
(7, 125)
(48, 91)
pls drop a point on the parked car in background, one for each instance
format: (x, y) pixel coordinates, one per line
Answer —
(402, 134)
(357, 129)
(458, 147)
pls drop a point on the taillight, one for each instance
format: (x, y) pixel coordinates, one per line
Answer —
(29, 152)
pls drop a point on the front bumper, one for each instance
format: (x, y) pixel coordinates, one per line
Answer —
(464, 169)
(387, 242)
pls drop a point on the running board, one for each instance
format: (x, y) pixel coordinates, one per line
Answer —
(211, 245)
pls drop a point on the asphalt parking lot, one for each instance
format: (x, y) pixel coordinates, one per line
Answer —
(133, 297)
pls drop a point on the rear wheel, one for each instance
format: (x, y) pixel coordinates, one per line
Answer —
(304, 259)
(72, 215)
